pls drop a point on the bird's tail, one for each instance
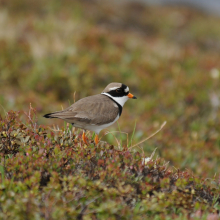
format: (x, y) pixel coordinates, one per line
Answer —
(50, 115)
(67, 116)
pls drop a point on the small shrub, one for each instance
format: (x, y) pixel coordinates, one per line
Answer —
(53, 175)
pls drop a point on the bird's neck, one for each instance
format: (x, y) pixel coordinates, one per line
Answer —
(119, 100)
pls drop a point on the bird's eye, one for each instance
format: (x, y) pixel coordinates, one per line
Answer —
(118, 90)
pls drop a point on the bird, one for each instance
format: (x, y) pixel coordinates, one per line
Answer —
(96, 112)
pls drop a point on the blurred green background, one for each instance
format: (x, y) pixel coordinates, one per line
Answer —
(168, 56)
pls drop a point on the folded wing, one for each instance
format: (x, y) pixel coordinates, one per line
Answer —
(93, 110)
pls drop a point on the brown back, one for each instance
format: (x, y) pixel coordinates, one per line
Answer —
(93, 110)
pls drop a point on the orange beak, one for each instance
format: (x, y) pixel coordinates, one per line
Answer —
(131, 96)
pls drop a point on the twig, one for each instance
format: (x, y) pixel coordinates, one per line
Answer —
(80, 215)
(74, 97)
(161, 127)
(30, 117)
(4, 111)
(153, 153)
(111, 132)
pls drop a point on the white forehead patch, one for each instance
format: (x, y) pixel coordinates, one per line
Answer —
(114, 88)
(127, 89)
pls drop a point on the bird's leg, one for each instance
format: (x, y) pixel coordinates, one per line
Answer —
(84, 137)
(96, 139)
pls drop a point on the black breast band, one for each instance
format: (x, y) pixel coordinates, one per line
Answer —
(119, 106)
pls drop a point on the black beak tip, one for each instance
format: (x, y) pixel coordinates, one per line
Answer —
(134, 97)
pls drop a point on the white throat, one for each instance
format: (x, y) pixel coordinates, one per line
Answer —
(120, 100)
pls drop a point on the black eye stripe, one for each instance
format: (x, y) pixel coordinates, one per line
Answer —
(114, 93)
(118, 90)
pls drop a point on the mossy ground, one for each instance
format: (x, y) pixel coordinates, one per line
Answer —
(48, 174)
(169, 57)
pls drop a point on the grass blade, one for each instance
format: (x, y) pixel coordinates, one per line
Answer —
(132, 135)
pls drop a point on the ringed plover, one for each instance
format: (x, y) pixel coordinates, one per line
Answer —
(96, 112)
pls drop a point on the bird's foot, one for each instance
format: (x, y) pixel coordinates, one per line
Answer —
(96, 139)
(84, 138)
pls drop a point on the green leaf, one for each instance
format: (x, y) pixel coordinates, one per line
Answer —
(2, 170)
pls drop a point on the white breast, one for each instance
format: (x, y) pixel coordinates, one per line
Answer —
(97, 128)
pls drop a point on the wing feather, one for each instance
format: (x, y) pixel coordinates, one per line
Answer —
(94, 110)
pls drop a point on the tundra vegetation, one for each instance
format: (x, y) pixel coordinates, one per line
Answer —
(53, 53)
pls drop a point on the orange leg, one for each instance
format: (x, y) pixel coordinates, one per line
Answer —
(96, 139)
(84, 138)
